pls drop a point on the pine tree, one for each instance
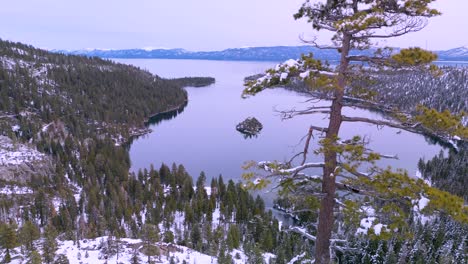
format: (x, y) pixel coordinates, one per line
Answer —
(150, 235)
(8, 240)
(27, 234)
(196, 237)
(223, 257)
(49, 244)
(34, 258)
(355, 24)
(233, 237)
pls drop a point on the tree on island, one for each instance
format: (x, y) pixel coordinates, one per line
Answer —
(356, 25)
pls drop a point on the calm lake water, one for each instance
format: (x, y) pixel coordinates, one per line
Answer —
(203, 136)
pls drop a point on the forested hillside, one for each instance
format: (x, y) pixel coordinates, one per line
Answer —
(405, 89)
(90, 95)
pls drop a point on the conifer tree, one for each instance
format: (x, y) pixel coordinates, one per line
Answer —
(355, 25)
(49, 244)
(9, 240)
(233, 237)
(150, 235)
(34, 258)
(27, 234)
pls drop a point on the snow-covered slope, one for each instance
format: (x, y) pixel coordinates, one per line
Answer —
(110, 250)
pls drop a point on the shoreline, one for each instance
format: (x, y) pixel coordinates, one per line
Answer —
(416, 128)
(387, 112)
(136, 132)
(175, 108)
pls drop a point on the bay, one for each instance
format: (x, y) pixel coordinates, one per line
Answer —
(203, 137)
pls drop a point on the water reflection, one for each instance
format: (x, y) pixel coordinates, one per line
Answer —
(165, 116)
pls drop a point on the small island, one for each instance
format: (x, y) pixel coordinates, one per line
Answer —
(250, 126)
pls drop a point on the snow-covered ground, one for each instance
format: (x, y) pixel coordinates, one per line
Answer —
(94, 251)
(15, 154)
(15, 190)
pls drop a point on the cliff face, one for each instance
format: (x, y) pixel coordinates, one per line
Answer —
(19, 162)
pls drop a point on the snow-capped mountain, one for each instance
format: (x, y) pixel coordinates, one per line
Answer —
(276, 53)
(460, 53)
(127, 53)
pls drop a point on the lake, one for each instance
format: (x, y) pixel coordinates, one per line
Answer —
(203, 137)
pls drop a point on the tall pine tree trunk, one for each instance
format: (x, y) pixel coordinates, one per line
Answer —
(327, 204)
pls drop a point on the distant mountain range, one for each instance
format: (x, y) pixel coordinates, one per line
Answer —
(277, 53)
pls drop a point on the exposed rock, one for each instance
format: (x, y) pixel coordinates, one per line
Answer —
(19, 162)
(250, 126)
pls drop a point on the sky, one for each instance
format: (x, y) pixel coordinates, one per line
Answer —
(189, 24)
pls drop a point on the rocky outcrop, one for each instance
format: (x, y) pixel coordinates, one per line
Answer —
(250, 126)
(20, 162)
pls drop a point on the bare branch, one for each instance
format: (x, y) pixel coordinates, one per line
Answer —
(294, 157)
(409, 127)
(321, 129)
(385, 156)
(306, 147)
(362, 58)
(357, 174)
(302, 232)
(314, 43)
(344, 249)
(292, 113)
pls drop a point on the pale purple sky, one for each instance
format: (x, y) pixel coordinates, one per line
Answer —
(189, 24)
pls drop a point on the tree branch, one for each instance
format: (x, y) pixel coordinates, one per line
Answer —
(306, 147)
(302, 232)
(409, 127)
(314, 43)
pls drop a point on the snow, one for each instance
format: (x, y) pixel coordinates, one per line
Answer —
(14, 189)
(297, 258)
(93, 251)
(370, 221)
(44, 128)
(419, 176)
(8, 63)
(283, 76)
(366, 224)
(305, 74)
(378, 228)
(418, 206)
(291, 63)
(454, 144)
(208, 190)
(15, 128)
(17, 153)
(257, 181)
(20, 51)
(423, 202)
(92, 247)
